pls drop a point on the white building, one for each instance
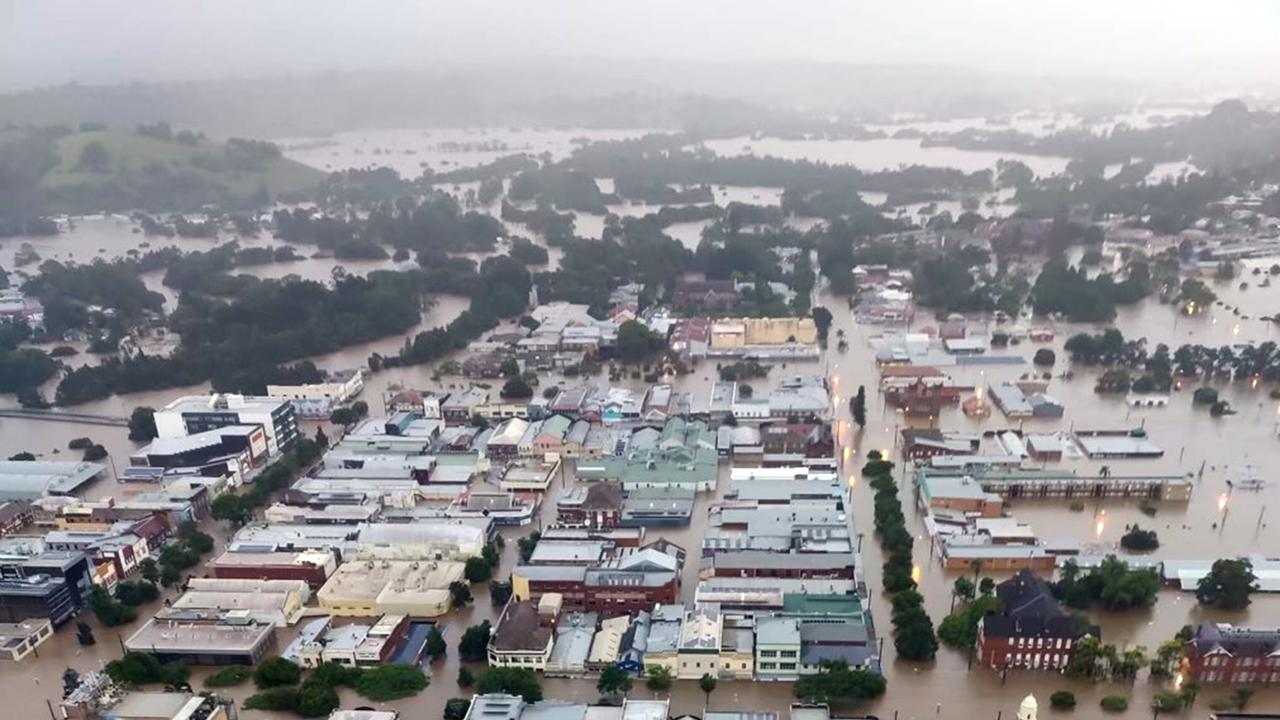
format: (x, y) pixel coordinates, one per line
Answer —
(318, 400)
(197, 413)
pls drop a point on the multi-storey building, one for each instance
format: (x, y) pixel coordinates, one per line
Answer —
(1032, 631)
(199, 413)
(1227, 654)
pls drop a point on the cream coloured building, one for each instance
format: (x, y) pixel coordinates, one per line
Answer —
(276, 602)
(731, 333)
(699, 650)
(373, 587)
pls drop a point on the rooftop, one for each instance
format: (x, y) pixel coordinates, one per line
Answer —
(195, 441)
(583, 552)
(166, 636)
(28, 480)
(224, 402)
(520, 628)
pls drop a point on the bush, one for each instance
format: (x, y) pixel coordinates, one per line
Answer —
(1135, 538)
(1044, 357)
(1063, 700)
(1115, 703)
(228, 676)
(333, 674)
(343, 416)
(465, 678)
(273, 699)
(516, 389)
(145, 669)
(510, 680)
(456, 708)
(477, 570)
(391, 682)
(460, 594)
(276, 671)
(134, 593)
(316, 700)
(80, 443)
(1204, 396)
(109, 611)
(473, 646)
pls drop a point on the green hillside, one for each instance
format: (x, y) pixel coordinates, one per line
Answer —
(123, 169)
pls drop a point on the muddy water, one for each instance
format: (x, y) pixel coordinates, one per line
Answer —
(882, 154)
(946, 688)
(410, 151)
(915, 691)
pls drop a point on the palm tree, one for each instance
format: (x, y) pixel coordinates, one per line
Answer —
(977, 569)
(708, 684)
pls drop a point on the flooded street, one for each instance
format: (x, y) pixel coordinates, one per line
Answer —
(1188, 435)
(1207, 448)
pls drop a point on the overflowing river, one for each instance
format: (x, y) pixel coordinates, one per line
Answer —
(1208, 448)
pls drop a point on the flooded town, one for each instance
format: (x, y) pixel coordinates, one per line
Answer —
(721, 388)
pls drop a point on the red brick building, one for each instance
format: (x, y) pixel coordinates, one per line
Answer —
(311, 566)
(1032, 631)
(924, 443)
(1227, 654)
(635, 581)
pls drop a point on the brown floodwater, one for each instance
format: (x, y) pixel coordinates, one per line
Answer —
(946, 688)
(915, 690)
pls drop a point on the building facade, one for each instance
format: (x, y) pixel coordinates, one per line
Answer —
(1225, 654)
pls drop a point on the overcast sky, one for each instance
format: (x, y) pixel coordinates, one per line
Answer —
(53, 41)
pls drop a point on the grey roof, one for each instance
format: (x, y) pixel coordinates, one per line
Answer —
(573, 636)
(578, 432)
(1010, 399)
(853, 654)
(750, 559)
(554, 710)
(584, 552)
(739, 715)
(28, 480)
(664, 633)
(567, 573)
(834, 633)
(495, 706)
(150, 705)
(1240, 642)
(777, 631)
(778, 490)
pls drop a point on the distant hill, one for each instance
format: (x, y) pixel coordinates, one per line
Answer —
(156, 169)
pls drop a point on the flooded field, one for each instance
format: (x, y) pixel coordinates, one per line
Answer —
(946, 688)
(881, 154)
(410, 151)
(1209, 449)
